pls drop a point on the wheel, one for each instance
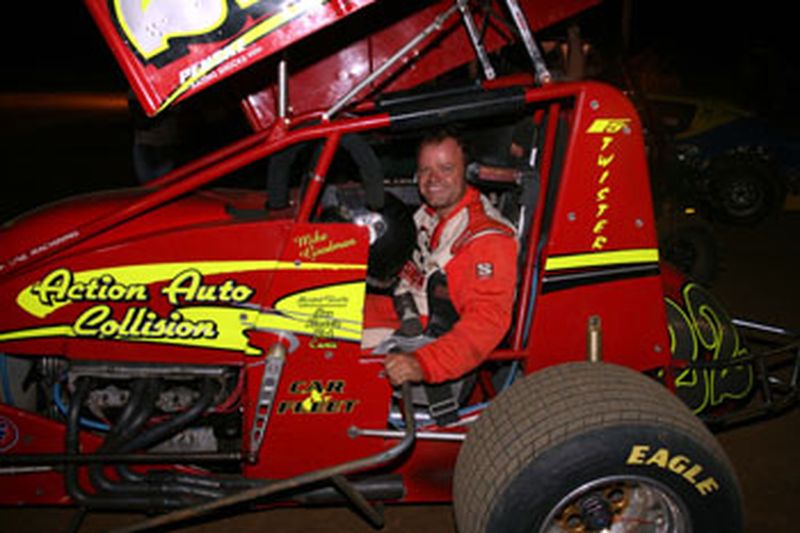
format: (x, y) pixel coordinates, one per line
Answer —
(744, 190)
(584, 447)
(694, 251)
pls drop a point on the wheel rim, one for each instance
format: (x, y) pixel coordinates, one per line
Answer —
(616, 505)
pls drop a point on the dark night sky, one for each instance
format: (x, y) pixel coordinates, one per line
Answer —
(67, 52)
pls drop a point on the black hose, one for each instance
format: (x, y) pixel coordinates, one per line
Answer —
(137, 411)
(138, 484)
(177, 423)
(171, 483)
(71, 441)
(149, 501)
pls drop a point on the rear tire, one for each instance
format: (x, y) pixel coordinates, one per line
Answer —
(583, 447)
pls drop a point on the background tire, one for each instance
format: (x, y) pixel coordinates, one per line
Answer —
(694, 251)
(744, 190)
(576, 445)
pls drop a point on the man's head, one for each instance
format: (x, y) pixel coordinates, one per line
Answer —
(441, 164)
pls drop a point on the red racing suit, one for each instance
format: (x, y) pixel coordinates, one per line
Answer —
(476, 248)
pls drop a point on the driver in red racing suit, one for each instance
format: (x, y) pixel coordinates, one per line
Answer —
(462, 238)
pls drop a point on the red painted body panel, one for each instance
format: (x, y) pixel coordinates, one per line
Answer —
(604, 205)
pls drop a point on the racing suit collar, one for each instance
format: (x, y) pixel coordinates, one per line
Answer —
(470, 195)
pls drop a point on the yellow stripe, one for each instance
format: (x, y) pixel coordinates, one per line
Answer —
(37, 333)
(617, 257)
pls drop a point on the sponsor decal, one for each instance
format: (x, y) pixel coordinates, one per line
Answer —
(121, 303)
(39, 249)
(9, 434)
(484, 270)
(603, 193)
(317, 244)
(163, 28)
(609, 125)
(317, 397)
(163, 32)
(678, 464)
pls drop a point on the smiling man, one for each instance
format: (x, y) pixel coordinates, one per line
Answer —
(461, 278)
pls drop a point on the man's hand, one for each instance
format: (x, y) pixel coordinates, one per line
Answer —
(402, 367)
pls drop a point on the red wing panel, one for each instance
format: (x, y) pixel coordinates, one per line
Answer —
(170, 50)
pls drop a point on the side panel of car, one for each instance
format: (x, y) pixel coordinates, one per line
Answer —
(600, 260)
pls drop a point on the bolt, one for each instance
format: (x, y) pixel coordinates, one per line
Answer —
(639, 223)
(594, 104)
(657, 348)
(571, 216)
(328, 355)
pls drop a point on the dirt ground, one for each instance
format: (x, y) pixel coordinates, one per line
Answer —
(759, 280)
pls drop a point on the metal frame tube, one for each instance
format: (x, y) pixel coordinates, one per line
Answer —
(396, 434)
(474, 37)
(283, 90)
(284, 485)
(434, 26)
(127, 458)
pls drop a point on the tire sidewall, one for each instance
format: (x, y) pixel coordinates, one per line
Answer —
(628, 451)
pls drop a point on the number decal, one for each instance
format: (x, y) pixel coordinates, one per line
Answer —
(150, 24)
(160, 31)
(701, 330)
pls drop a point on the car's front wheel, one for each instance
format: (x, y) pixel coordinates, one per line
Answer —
(590, 447)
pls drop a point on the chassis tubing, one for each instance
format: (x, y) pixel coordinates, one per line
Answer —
(334, 472)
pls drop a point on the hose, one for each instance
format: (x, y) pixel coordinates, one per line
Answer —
(85, 422)
(135, 414)
(124, 500)
(4, 381)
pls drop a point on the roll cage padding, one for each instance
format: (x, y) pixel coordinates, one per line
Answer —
(362, 154)
(472, 105)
